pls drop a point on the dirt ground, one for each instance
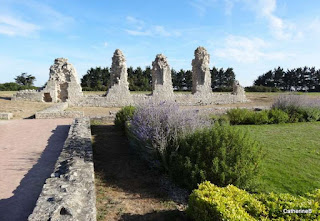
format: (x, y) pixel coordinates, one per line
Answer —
(20, 109)
(126, 188)
(24, 109)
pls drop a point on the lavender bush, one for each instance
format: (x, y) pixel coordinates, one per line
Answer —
(287, 101)
(158, 126)
(299, 108)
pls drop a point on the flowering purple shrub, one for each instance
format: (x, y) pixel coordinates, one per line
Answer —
(158, 126)
(288, 101)
(299, 108)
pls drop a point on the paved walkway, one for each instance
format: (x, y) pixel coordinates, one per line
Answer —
(28, 152)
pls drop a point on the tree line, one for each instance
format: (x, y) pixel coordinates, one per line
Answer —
(98, 79)
(22, 82)
(297, 79)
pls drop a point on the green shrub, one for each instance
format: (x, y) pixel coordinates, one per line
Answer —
(222, 154)
(261, 117)
(220, 119)
(261, 89)
(123, 115)
(245, 116)
(12, 86)
(277, 116)
(210, 202)
(312, 114)
(239, 116)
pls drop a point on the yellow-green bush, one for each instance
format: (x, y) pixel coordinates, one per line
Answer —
(210, 202)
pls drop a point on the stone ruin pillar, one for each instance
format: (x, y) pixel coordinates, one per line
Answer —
(161, 78)
(201, 77)
(238, 89)
(119, 88)
(63, 84)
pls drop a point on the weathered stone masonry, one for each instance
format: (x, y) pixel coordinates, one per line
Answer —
(69, 194)
(63, 85)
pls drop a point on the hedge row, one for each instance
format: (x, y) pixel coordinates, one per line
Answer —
(210, 202)
(273, 116)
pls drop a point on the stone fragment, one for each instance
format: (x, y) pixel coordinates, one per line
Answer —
(118, 91)
(238, 89)
(161, 77)
(201, 77)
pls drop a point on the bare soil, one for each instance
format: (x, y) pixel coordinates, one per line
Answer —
(20, 109)
(126, 188)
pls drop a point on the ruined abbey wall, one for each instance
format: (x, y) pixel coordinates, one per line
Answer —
(63, 85)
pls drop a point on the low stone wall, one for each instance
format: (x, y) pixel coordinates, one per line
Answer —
(6, 116)
(28, 95)
(69, 194)
(57, 111)
(181, 99)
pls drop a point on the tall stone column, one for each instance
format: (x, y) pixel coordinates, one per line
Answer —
(119, 88)
(161, 78)
(201, 77)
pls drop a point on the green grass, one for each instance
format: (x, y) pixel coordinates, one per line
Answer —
(292, 157)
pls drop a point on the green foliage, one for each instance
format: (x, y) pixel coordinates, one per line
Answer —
(25, 80)
(298, 79)
(239, 116)
(245, 116)
(15, 87)
(222, 80)
(261, 88)
(312, 114)
(123, 115)
(277, 116)
(96, 79)
(220, 119)
(210, 202)
(221, 154)
(260, 117)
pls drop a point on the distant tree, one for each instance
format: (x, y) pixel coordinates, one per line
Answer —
(222, 80)
(25, 79)
(96, 79)
(300, 79)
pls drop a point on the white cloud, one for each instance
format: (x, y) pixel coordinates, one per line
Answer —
(140, 28)
(105, 44)
(201, 6)
(280, 28)
(247, 50)
(16, 27)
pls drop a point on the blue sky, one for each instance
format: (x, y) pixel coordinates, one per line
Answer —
(251, 36)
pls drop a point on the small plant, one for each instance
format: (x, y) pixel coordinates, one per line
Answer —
(277, 116)
(124, 115)
(261, 117)
(239, 116)
(222, 154)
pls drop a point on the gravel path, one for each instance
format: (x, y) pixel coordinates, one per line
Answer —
(28, 152)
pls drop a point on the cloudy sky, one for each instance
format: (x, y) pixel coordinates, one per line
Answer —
(251, 36)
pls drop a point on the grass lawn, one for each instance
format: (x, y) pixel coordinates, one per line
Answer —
(292, 157)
